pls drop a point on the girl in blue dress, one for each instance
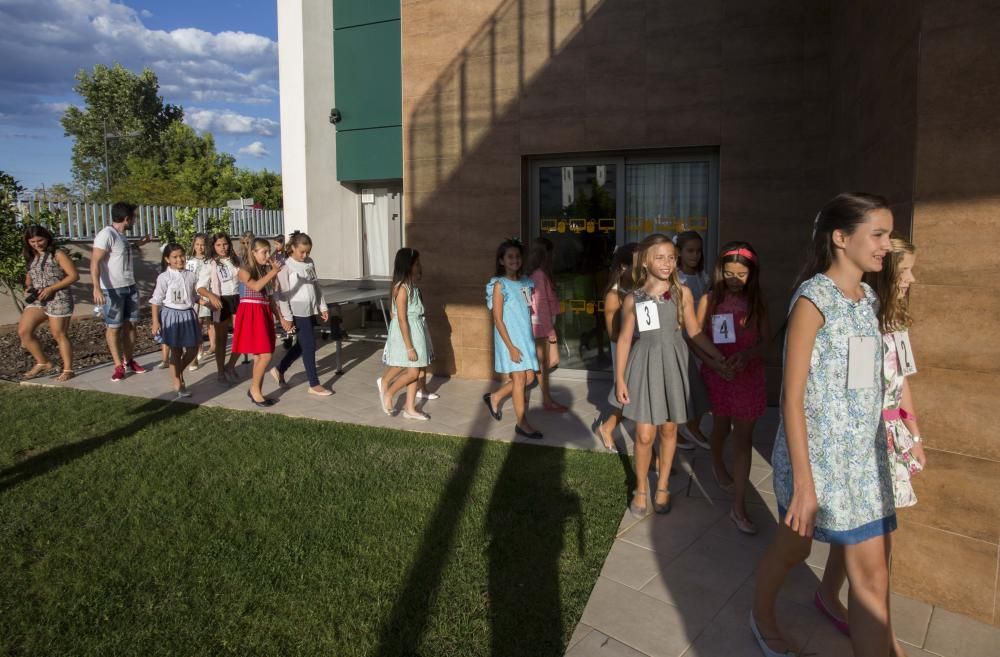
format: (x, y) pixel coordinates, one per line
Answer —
(508, 296)
(831, 472)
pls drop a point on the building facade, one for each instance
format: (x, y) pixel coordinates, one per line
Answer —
(460, 123)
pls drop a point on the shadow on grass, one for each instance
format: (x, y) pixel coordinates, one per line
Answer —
(45, 462)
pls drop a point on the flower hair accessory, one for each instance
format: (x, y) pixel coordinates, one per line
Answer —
(516, 241)
(745, 253)
(674, 239)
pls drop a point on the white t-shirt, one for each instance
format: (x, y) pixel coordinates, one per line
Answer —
(227, 272)
(115, 269)
(175, 289)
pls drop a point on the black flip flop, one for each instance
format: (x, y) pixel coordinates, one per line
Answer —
(496, 414)
(534, 435)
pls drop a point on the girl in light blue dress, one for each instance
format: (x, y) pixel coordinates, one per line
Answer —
(408, 348)
(831, 472)
(508, 296)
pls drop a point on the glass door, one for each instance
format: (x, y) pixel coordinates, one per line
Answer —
(576, 204)
(381, 229)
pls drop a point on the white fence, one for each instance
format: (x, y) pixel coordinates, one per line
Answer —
(82, 221)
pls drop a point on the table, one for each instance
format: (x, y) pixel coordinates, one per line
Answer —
(340, 293)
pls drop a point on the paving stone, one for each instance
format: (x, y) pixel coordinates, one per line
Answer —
(953, 635)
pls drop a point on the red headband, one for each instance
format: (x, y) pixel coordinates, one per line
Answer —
(746, 253)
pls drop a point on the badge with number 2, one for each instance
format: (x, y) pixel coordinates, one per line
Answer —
(646, 316)
(904, 352)
(722, 329)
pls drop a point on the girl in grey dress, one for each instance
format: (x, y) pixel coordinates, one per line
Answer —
(651, 379)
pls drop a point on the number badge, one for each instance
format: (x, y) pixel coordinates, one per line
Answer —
(647, 318)
(723, 329)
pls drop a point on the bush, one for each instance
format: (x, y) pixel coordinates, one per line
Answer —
(186, 227)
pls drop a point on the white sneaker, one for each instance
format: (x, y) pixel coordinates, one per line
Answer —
(416, 416)
(427, 395)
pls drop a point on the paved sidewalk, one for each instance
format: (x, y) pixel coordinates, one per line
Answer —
(672, 585)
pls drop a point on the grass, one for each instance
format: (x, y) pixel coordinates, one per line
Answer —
(133, 527)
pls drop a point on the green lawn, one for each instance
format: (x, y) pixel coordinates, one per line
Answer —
(132, 527)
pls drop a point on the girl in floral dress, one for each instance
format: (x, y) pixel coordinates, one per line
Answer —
(831, 468)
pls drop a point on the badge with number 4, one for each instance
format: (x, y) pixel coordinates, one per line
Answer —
(723, 330)
(646, 316)
(904, 352)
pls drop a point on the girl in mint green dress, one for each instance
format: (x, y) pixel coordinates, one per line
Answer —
(407, 349)
(508, 297)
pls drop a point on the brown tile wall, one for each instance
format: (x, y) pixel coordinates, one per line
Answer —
(802, 99)
(955, 528)
(488, 83)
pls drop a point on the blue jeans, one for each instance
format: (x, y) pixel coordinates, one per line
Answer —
(121, 304)
(305, 346)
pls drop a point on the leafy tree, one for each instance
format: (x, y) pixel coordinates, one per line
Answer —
(120, 103)
(58, 192)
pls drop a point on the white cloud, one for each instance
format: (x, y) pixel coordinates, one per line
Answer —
(255, 149)
(229, 122)
(145, 13)
(44, 44)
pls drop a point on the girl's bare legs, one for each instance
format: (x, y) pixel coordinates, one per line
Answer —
(403, 380)
(260, 363)
(742, 452)
(59, 326)
(165, 354)
(606, 429)
(31, 318)
(868, 596)
(542, 352)
(786, 551)
(721, 426)
(411, 395)
(179, 359)
(643, 456)
(211, 335)
(221, 329)
(667, 447)
(834, 576)
(694, 426)
(519, 383)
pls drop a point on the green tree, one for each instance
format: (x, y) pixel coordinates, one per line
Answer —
(120, 103)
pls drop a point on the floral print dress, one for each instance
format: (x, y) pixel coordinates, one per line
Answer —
(845, 434)
(898, 437)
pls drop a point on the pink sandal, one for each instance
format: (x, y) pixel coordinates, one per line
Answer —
(839, 623)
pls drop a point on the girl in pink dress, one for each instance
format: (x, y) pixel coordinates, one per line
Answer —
(544, 308)
(735, 316)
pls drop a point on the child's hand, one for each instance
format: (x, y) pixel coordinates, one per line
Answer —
(737, 361)
(155, 328)
(215, 302)
(325, 316)
(801, 515)
(515, 354)
(411, 353)
(918, 453)
(621, 394)
(287, 325)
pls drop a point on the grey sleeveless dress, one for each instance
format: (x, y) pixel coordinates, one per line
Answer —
(657, 369)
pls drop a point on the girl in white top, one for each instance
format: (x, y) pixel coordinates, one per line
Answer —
(300, 299)
(195, 264)
(217, 281)
(174, 317)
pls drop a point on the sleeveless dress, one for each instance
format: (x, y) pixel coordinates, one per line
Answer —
(45, 271)
(846, 439)
(656, 372)
(898, 437)
(517, 319)
(253, 328)
(745, 397)
(394, 354)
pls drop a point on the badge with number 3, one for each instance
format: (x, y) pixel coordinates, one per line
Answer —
(646, 316)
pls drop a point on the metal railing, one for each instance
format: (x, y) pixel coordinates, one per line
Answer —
(81, 221)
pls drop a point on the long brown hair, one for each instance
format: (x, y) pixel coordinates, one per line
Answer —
(744, 254)
(640, 273)
(893, 312)
(255, 270)
(36, 230)
(844, 212)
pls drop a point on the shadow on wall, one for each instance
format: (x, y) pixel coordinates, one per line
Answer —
(464, 141)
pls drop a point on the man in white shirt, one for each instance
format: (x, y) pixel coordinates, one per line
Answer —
(115, 291)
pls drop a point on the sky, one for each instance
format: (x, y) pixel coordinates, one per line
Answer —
(218, 59)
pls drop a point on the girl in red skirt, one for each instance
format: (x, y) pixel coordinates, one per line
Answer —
(253, 330)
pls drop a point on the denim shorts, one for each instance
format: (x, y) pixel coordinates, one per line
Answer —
(120, 304)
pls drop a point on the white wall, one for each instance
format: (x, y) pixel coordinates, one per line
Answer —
(315, 202)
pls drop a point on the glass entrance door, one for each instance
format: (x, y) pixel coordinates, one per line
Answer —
(589, 206)
(576, 205)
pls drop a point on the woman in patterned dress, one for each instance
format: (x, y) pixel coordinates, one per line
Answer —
(831, 470)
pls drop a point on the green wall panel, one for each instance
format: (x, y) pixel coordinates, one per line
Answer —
(374, 154)
(367, 76)
(349, 13)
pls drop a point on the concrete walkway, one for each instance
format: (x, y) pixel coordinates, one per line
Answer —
(672, 585)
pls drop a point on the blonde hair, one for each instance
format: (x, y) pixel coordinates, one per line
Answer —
(893, 312)
(640, 273)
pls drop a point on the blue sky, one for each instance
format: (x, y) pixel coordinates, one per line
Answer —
(216, 58)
